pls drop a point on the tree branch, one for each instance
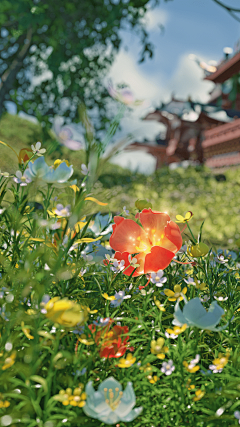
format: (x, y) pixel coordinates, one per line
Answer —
(228, 8)
(10, 74)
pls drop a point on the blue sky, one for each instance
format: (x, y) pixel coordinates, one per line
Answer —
(199, 27)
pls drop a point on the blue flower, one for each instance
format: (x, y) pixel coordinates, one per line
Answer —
(194, 314)
(40, 170)
(119, 297)
(110, 404)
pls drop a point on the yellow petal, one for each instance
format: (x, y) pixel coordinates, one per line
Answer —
(92, 199)
(177, 288)
(184, 290)
(74, 187)
(169, 293)
(180, 218)
(188, 215)
(105, 295)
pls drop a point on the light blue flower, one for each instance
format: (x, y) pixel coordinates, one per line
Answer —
(119, 297)
(40, 170)
(194, 314)
(110, 404)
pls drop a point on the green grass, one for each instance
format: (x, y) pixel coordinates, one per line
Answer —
(176, 192)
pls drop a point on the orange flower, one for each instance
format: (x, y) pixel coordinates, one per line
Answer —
(154, 244)
(113, 340)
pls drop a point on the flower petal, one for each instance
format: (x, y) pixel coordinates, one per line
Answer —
(153, 223)
(126, 235)
(172, 239)
(128, 401)
(158, 259)
(132, 415)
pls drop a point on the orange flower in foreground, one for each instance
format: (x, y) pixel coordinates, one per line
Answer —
(155, 243)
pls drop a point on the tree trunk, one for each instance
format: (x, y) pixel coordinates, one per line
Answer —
(9, 76)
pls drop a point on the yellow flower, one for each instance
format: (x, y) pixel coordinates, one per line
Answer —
(152, 379)
(177, 329)
(105, 295)
(65, 312)
(202, 286)
(182, 219)
(173, 296)
(158, 348)
(146, 368)
(200, 249)
(191, 369)
(26, 331)
(9, 361)
(85, 340)
(3, 403)
(199, 394)
(158, 304)
(126, 363)
(58, 163)
(71, 397)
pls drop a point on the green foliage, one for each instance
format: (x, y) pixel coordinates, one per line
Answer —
(197, 189)
(76, 44)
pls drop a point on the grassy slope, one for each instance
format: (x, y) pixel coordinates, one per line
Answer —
(173, 191)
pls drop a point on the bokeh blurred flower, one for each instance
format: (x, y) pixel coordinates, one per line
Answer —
(9, 361)
(119, 297)
(175, 331)
(67, 135)
(168, 367)
(37, 150)
(75, 397)
(237, 415)
(219, 363)
(110, 404)
(198, 395)
(158, 348)
(3, 403)
(176, 294)
(126, 363)
(40, 170)
(193, 366)
(60, 211)
(194, 314)
(125, 210)
(65, 312)
(158, 304)
(198, 250)
(124, 95)
(112, 339)
(84, 169)
(22, 179)
(155, 243)
(158, 279)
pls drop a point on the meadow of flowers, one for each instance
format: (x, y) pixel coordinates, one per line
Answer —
(131, 320)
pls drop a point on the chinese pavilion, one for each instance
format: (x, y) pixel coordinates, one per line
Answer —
(206, 133)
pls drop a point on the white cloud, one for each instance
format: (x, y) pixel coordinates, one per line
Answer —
(154, 19)
(139, 161)
(188, 81)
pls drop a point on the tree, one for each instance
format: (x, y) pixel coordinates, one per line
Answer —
(72, 43)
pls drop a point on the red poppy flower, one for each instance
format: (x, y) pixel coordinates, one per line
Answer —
(113, 341)
(154, 244)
